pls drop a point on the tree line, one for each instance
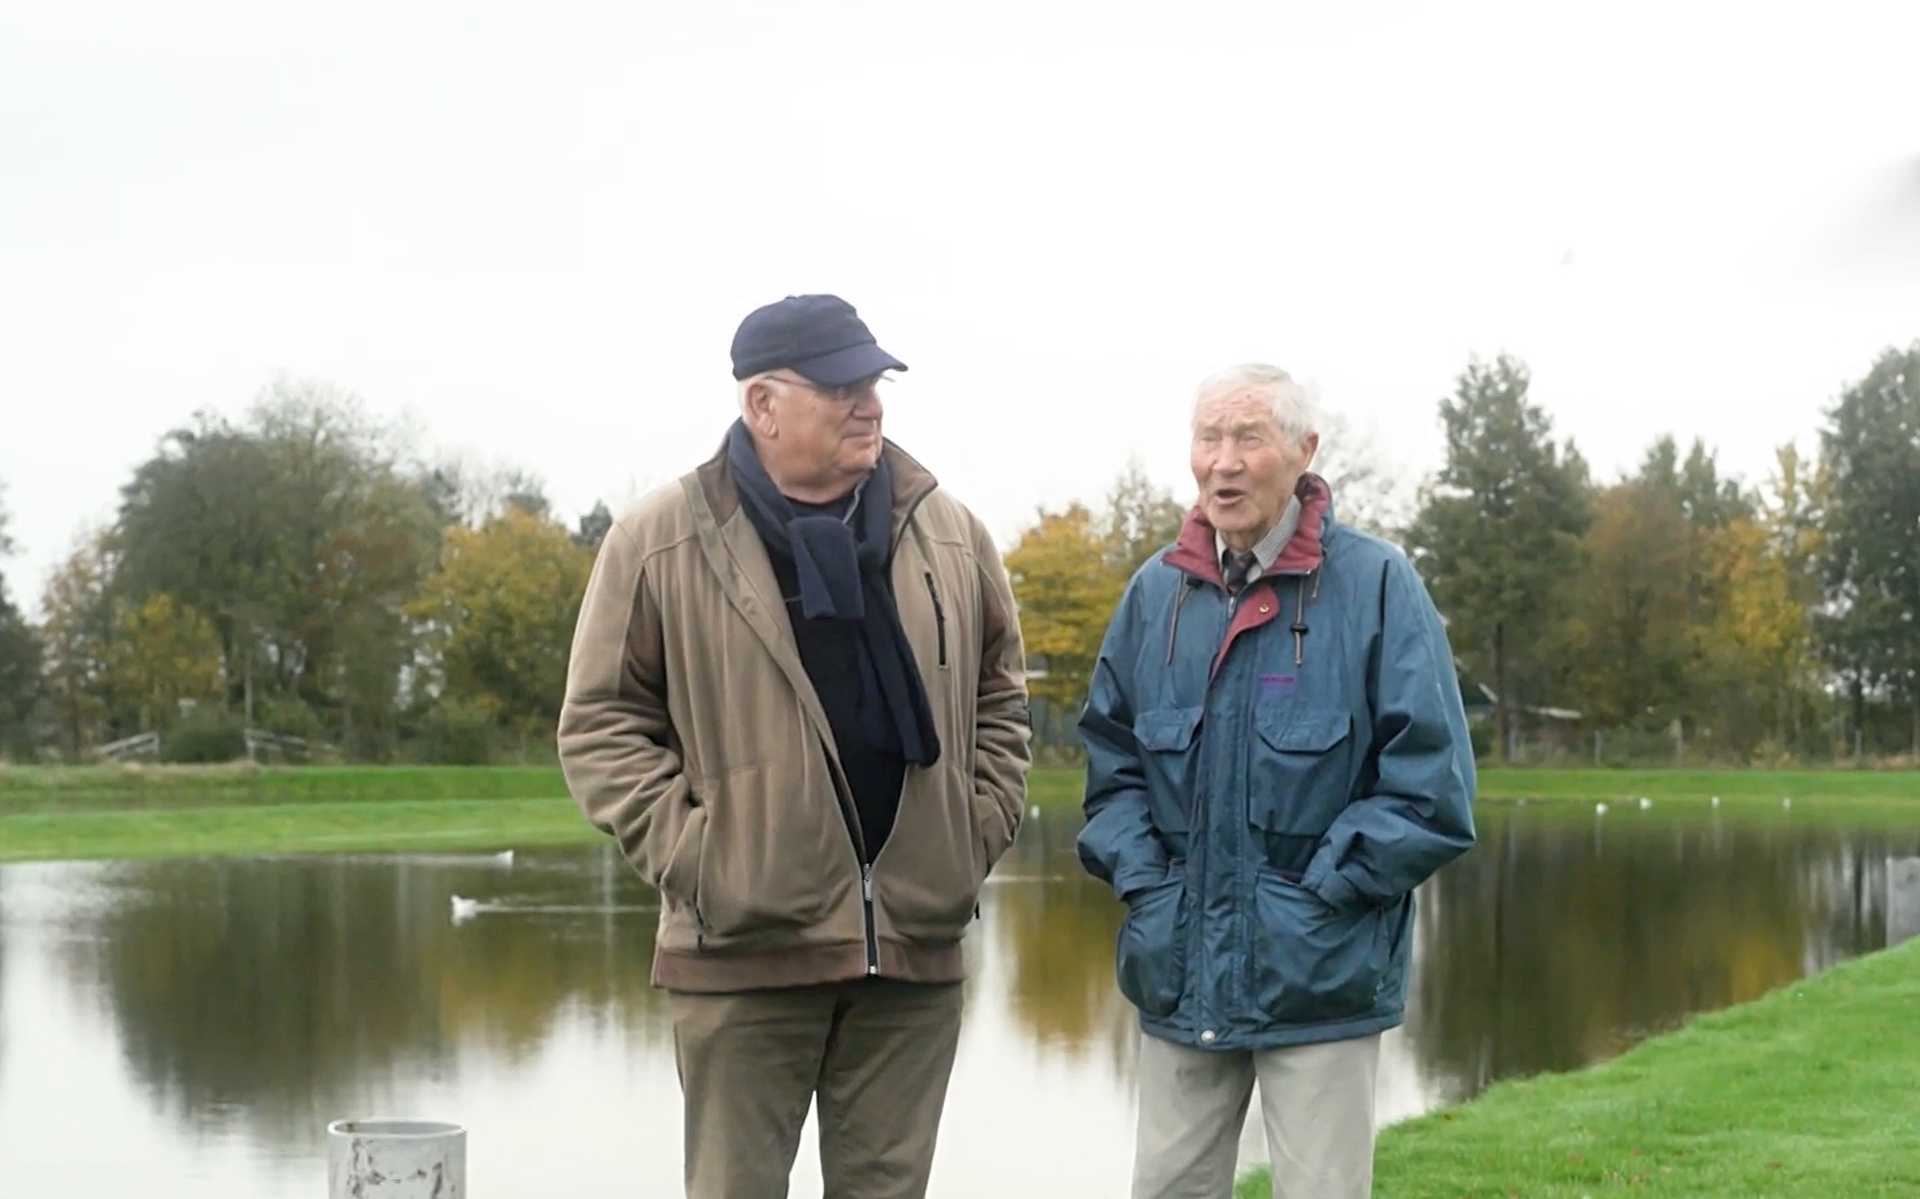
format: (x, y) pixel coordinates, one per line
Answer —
(305, 572)
(1672, 614)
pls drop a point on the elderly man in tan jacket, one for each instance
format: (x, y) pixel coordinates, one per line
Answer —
(797, 699)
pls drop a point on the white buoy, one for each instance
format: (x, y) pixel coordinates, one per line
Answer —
(396, 1159)
(1645, 803)
(1716, 801)
(464, 909)
(1787, 802)
(504, 857)
(1599, 809)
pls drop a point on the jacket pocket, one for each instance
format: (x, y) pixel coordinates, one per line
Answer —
(1313, 963)
(1150, 951)
(927, 877)
(1299, 769)
(939, 620)
(680, 877)
(770, 860)
(990, 832)
(1170, 759)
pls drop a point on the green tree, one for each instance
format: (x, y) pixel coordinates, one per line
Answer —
(19, 663)
(1705, 499)
(1869, 550)
(500, 611)
(1630, 628)
(1141, 519)
(300, 536)
(594, 527)
(1367, 493)
(1498, 535)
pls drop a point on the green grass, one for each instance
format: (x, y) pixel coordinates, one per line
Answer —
(1812, 1090)
(1858, 797)
(63, 789)
(294, 828)
(129, 811)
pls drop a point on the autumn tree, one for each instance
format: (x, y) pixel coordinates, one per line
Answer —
(1754, 649)
(499, 611)
(164, 656)
(78, 635)
(1498, 537)
(1067, 587)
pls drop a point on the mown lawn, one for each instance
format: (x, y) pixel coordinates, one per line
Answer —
(140, 811)
(1812, 1090)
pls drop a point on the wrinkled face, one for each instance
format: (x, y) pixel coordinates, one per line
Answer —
(1246, 466)
(815, 441)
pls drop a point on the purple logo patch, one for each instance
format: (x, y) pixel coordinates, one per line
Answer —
(1276, 684)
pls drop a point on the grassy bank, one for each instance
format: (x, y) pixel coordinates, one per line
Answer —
(72, 789)
(293, 828)
(137, 811)
(1732, 786)
(1808, 1091)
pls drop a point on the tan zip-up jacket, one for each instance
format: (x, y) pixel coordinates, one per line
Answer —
(691, 733)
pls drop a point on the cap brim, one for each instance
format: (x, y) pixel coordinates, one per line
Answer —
(848, 366)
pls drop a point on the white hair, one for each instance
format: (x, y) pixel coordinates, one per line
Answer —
(1292, 404)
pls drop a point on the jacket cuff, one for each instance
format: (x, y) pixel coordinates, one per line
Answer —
(1332, 887)
(1131, 881)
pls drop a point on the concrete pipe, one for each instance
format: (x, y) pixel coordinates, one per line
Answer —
(396, 1159)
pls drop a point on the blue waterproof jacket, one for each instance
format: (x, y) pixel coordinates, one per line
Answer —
(1268, 779)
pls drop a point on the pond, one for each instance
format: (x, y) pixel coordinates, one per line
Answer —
(188, 1027)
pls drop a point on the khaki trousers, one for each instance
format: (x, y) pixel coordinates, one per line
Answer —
(1317, 1104)
(876, 1056)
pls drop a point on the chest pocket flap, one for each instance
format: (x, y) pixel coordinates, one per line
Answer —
(1300, 769)
(1170, 762)
(1167, 730)
(1314, 731)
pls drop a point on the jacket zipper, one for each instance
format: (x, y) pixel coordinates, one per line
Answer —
(866, 904)
(939, 618)
(859, 846)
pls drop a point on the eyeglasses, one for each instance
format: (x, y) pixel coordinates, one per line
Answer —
(846, 393)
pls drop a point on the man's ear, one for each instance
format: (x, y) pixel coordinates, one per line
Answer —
(756, 408)
(1311, 444)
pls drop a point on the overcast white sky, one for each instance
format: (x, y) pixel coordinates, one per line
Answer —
(532, 228)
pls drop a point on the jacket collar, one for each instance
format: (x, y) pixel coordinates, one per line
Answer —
(912, 483)
(1193, 552)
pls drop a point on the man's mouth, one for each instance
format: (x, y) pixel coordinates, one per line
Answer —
(1228, 495)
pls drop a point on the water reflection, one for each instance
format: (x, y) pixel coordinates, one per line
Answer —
(1546, 950)
(231, 1007)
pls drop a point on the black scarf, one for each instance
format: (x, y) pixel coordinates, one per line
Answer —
(844, 567)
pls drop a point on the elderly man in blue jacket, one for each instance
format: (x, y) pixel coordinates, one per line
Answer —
(1277, 756)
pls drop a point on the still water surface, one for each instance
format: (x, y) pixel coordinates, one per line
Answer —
(187, 1028)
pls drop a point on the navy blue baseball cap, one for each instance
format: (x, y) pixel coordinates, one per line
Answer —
(820, 337)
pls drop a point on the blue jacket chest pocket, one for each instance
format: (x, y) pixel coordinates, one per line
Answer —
(1299, 769)
(1168, 740)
